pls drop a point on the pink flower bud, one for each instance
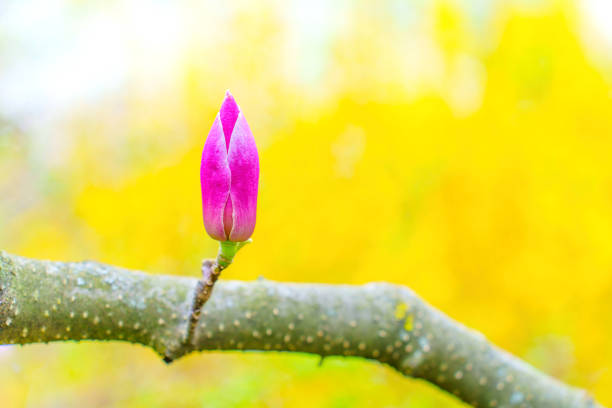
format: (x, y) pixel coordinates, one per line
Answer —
(229, 175)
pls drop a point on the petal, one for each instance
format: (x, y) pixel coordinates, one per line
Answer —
(229, 113)
(244, 165)
(215, 179)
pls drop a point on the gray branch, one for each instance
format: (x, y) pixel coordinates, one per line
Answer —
(42, 301)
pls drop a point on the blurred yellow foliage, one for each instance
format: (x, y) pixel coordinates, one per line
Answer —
(469, 161)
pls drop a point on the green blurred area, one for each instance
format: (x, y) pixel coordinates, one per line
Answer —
(460, 148)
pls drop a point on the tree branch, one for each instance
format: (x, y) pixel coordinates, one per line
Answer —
(42, 301)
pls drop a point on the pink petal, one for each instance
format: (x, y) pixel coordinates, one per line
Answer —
(244, 165)
(229, 113)
(215, 179)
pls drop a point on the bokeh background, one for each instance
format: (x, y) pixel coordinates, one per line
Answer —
(461, 147)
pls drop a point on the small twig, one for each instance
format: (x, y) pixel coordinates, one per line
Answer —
(210, 273)
(211, 269)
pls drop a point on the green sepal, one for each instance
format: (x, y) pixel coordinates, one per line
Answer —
(228, 250)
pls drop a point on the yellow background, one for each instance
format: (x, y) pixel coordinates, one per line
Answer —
(460, 148)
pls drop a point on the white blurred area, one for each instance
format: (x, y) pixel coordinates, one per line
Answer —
(62, 57)
(58, 57)
(597, 32)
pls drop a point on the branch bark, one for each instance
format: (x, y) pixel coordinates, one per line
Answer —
(42, 301)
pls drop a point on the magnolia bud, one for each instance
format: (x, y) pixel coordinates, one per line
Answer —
(229, 176)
